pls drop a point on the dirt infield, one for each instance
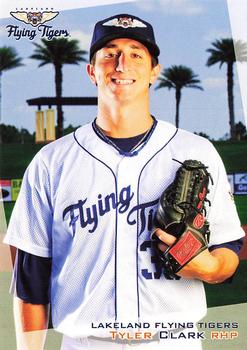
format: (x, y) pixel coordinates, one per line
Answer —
(243, 253)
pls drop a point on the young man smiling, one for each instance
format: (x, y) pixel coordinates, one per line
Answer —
(93, 198)
(123, 69)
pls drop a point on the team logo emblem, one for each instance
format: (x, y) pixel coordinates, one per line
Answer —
(34, 18)
(125, 22)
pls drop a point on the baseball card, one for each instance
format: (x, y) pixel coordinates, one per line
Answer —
(123, 175)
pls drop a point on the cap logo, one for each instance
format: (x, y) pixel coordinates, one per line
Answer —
(125, 22)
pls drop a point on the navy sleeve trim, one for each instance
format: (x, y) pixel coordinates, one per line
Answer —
(233, 245)
(33, 276)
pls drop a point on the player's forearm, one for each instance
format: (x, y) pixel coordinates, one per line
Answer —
(214, 267)
(31, 322)
(228, 262)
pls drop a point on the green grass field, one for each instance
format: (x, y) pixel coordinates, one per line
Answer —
(241, 203)
(14, 158)
(233, 155)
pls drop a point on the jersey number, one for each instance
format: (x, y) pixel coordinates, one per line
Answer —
(158, 270)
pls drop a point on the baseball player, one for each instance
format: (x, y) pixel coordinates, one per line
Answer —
(84, 216)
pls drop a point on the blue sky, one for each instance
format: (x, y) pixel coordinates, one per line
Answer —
(184, 29)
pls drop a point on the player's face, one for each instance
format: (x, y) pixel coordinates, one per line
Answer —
(123, 70)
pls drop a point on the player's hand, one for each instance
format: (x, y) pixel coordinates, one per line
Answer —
(204, 266)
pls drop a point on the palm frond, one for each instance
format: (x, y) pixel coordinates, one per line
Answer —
(222, 51)
(9, 58)
(178, 77)
(59, 51)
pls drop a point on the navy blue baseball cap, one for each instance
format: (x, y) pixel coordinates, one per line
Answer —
(123, 26)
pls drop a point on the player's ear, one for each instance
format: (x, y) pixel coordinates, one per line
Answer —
(91, 73)
(155, 73)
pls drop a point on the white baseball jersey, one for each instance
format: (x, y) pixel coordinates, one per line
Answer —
(91, 210)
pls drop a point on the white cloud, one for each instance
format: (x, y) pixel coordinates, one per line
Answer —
(217, 34)
(189, 7)
(214, 82)
(146, 5)
(183, 7)
(83, 38)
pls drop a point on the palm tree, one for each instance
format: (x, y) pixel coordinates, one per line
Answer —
(178, 77)
(8, 60)
(58, 51)
(223, 52)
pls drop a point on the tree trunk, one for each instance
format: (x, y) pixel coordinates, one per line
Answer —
(231, 99)
(58, 83)
(178, 98)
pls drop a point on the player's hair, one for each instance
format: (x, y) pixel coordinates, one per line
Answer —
(154, 60)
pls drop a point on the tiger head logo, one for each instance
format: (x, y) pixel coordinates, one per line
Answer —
(125, 22)
(34, 17)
